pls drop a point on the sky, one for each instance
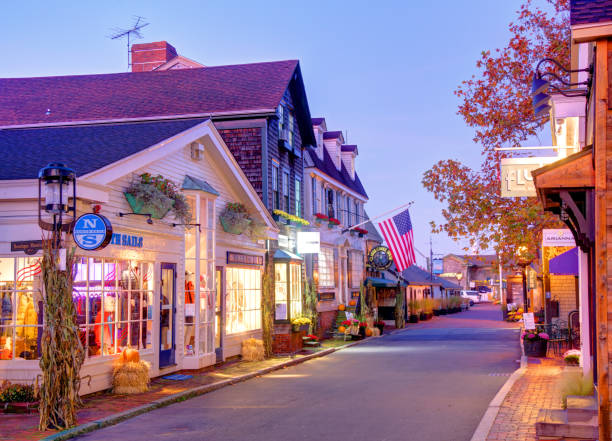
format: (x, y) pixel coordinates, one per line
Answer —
(382, 72)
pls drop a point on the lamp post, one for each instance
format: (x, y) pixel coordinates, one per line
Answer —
(59, 212)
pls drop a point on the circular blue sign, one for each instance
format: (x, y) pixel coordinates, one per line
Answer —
(92, 231)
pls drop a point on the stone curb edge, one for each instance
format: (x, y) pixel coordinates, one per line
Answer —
(116, 418)
(484, 427)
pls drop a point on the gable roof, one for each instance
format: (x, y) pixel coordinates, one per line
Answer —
(328, 167)
(590, 11)
(415, 275)
(215, 90)
(84, 148)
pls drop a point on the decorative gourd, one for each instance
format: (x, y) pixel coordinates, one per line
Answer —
(130, 355)
(341, 307)
(369, 332)
(341, 329)
(353, 302)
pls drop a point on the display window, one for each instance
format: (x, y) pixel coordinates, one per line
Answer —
(356, 263)
(326, 268)
(113, 300)
(287, 290)
(21, 308)
(243, 299)
(200, 289)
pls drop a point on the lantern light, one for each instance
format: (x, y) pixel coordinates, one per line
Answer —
(58, 180)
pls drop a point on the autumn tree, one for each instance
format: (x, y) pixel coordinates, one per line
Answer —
(497, 103)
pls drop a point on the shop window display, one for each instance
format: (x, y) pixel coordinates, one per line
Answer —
(243, 299)
(287, 290)
(199, 309)
(21, 310)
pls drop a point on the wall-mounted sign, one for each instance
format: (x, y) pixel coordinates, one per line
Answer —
(438, 266)
(516, 179)
(380, 258)
(557, 238)
(308, 242)
(243, 259)
(27, 246)
(326, 296)
(92, 232)
(127, 240)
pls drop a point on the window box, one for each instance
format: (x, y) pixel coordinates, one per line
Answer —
(140, 207)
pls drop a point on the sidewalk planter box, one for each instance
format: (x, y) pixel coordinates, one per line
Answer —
(25, 407)
(413, 318)
(535, 348)
(138, 206)
(436, 312)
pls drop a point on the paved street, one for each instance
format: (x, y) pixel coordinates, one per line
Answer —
(432, 381)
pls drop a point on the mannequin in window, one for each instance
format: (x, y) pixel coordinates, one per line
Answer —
(107, 330)
(189, 310)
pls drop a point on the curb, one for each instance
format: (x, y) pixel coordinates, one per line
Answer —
(116, 418)
(484, 427)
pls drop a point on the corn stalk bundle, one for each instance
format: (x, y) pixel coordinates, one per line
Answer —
(267, 311)
(400, 321)
(310, 301)
(62, 352)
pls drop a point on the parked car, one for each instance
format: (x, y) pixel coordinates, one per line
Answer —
(473, 296)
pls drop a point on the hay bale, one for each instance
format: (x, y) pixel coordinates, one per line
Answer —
(375, 332)
(131, 378)
(253, 350)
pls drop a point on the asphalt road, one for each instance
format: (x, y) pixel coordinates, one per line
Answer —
(432, 381)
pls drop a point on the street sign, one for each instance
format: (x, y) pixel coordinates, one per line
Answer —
(92, 232)
(516, 179)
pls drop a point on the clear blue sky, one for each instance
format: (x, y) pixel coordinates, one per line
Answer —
(382, 71)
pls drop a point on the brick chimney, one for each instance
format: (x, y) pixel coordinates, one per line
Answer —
(148, 56)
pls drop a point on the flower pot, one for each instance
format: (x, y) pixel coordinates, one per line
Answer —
(413, 318)
(330, 225)
(138, 206)
(362, 331)
(429, 315)
(237, 228)
(295, 328)
(436, 312)
(535, 348)
(443, 312)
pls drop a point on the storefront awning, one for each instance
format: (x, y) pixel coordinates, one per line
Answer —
(565, 264)
(379, 282)
(285, 255)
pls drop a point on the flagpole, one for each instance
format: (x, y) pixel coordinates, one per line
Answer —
(378, 217)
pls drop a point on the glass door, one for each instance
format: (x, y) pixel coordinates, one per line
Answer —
(167, 314)
(219, 313)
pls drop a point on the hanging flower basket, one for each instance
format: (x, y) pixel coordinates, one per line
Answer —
(141, 207)
(233, 228)
(234, 218)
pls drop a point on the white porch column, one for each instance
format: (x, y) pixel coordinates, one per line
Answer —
(583, 290)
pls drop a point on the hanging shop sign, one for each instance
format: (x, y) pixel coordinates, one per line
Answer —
(437, 266)
(29, 247)
(244, 259)
(380, 258)
(516, 179)
(308, 242)
(558, 238)
(326, 296)
(92, 232)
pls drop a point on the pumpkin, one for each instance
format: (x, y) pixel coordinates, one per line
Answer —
(369, 332)
(130, 355)
(341, 329)
(353, 302)
(341, 307)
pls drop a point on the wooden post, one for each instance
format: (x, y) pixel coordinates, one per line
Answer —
(601, 289)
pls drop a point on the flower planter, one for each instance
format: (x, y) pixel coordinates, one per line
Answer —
(138, 206)
(330, 225)
(413, 318)
(422, 316)
(535, 348)
(20, 407)
(362, 331)
(443, 312)
(436, 312)
(233, 229)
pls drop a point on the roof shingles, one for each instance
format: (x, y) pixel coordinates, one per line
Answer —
(590, 11)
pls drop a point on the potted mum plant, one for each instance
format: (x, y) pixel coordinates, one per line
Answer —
(362, 329)
(234, 218)
(572, 357)
(535, 343)
(300, 324)
(156, 195)
(17, 398)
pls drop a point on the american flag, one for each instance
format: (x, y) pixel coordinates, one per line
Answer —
(397, 231)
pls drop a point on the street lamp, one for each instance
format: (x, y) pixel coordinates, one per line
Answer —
(57, 180)
(524, 261)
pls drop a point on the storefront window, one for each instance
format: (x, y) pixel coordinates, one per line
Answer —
(326, 267)
(243, 299)
(280, 291)
(199, 306)
(295, 307)
(113, 301)
(356, 269)
(21, 310)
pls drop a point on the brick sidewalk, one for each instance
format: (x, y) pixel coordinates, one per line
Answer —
(535, 390)
(103, 404)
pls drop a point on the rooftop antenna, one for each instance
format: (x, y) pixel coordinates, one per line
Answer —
(118, 33)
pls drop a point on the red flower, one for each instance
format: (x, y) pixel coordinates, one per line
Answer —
(313, 337)
(346, 323)
(362, 324)
(333, 220)
(321, 216)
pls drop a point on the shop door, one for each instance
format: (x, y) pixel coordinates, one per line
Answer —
(219, 313)
(167, 314)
